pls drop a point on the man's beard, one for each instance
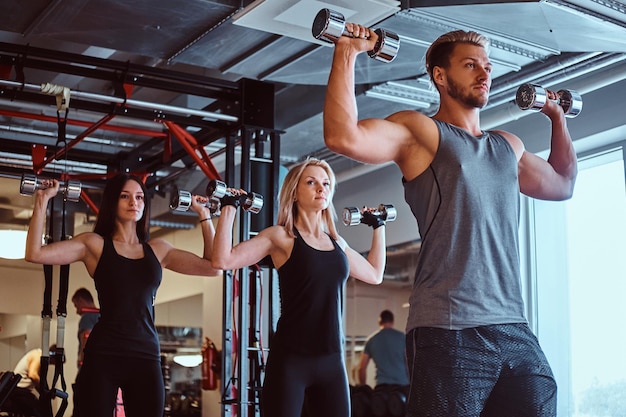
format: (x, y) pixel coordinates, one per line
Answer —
(456, 92)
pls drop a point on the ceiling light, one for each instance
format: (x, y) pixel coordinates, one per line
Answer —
(415, 93)
(398, 99)
(12, 244)
(188, 361)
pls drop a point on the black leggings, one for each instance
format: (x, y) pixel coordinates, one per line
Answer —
(140, 380)
(290, 378)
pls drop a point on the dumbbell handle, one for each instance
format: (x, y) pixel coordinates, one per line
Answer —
(30, 183)
(219, 189)
(181, 201)
(352, 215)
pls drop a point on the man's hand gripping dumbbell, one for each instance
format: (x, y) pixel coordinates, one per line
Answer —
(534, 97)
(329, 25)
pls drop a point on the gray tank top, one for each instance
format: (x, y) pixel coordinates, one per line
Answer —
(467, 209)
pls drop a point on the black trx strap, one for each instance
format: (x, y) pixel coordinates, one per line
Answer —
(46, 314)
(48, 393)
(59, 354)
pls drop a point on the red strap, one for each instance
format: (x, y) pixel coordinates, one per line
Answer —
(89, 310)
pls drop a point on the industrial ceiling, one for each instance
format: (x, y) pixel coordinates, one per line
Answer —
(161, 87)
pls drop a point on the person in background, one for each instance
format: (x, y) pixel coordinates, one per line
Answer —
(25, 397)
(89, 315)
(122, 350)
(386, 347)
(469, 347)
(313, 263)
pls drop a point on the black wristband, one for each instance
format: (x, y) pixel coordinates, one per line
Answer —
(379, 222)
(371, 220)
(232, 200)
(204, 220)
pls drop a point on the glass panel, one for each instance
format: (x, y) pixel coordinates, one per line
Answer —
(579, 261)
(596, 224)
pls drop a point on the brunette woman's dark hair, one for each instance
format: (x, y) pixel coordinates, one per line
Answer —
(105, 224)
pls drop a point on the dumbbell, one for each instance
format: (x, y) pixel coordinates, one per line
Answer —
(329, 25)
(218, 189)
(30, 183)
(534, 97)
(352, 215)
(181, 201)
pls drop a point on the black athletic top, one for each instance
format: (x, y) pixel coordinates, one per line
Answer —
(311, 284)
(126, 292)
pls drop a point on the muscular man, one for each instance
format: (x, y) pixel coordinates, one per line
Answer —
(469, 347)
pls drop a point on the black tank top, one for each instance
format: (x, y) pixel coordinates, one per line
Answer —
(126, 291)
(311, 284)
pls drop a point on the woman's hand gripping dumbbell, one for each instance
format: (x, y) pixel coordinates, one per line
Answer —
(374, 217)
(181, 201)
(251, 202)
(329, 25)
(30, 183)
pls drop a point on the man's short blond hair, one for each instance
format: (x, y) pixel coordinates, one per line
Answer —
(438, 54)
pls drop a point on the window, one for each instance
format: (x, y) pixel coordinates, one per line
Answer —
(577, 299)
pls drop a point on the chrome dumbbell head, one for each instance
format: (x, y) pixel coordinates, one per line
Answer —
(531, 97)
(387, 212)
(329, 25)
(218, 189)
(181, 201)
(30, 183)
(534, 97)
(571, 102)
(215, 207)
(352, 216)
(387, 46)
(253, 203)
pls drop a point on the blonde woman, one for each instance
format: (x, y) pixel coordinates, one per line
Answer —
(313, 264)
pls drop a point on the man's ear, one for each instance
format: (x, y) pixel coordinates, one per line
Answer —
(438, 75)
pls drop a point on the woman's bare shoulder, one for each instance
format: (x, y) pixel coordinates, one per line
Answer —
(275, 233)
(89, 238)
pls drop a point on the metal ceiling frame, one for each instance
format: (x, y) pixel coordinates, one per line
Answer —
(233, 106)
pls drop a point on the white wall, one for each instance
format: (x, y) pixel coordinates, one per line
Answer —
(11, 350)
(373, 186)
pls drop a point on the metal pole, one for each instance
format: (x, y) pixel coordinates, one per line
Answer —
(129, 102)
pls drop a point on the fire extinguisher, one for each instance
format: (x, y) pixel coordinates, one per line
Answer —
(210, 365)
